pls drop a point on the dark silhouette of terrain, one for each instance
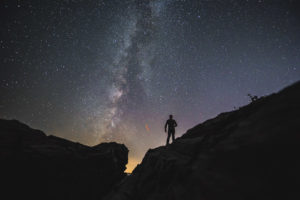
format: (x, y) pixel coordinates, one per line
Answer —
(250, 153)
(36, 166)
(170, 124)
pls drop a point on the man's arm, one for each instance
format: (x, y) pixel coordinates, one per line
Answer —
(166, 126)
(175, 123)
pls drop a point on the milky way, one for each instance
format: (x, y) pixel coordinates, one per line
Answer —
(100, 71)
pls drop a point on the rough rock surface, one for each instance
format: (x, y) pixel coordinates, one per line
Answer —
(36, 166)
(249, 153)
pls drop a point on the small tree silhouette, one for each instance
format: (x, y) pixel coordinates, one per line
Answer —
(253, 98)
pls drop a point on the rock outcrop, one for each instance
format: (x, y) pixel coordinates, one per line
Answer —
(250, 153)
(36, 166)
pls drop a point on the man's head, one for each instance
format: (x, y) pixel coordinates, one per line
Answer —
(171, 116)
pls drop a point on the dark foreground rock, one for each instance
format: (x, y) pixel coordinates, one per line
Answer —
(36, 166)
(250, 153)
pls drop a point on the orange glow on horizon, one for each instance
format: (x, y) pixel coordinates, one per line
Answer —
(132, 163)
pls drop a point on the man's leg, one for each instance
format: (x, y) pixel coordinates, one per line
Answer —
(168, 138)
(173, 136)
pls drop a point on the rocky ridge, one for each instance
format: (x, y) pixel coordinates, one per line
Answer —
(249, 153)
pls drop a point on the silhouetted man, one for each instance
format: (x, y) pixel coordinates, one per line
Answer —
(171, 124)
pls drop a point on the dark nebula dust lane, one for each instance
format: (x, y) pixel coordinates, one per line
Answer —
(95, 71)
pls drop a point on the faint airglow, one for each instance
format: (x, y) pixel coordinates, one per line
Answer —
(147, 127)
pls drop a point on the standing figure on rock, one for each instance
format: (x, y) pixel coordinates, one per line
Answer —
(171, 124)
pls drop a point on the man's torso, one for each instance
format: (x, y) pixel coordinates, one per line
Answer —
(171, 124)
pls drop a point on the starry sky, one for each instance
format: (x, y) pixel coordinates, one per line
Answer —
(95, 71)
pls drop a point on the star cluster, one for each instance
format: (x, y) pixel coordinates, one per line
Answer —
(109, 70)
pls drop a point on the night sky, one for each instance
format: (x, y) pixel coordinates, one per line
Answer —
(93, 71)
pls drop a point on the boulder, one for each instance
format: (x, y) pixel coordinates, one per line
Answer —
(37, 166)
